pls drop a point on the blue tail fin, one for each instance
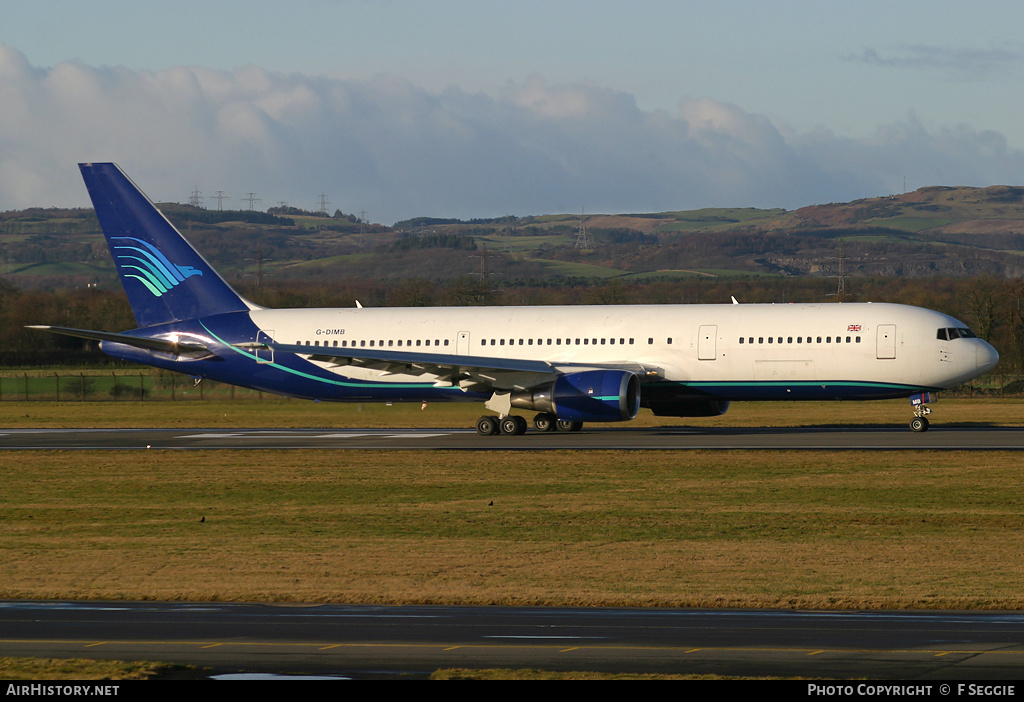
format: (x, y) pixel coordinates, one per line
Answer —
(166, 280)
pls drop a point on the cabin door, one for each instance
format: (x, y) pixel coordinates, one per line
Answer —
(706, 336)
(885, 341)
(462, 343)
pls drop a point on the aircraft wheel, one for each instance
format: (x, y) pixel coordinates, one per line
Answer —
(919, 424)
(544, 422)
(487, 426)
(565, 425)
(512, 425)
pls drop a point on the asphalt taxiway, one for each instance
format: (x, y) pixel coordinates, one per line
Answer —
(662, 438)
(379, 641)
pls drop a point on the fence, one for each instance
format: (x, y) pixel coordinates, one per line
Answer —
(155, 386)
(114, 386)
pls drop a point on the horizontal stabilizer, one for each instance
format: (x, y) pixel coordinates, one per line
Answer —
(179, 348)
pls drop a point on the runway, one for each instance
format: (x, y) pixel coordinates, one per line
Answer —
(403, 641)
(663, 438)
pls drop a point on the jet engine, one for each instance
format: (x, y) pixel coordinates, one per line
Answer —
(587, 396)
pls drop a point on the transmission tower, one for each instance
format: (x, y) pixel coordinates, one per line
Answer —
(323, 205)
(252, 200)
(196, 198)
(843, 276)
(220, 197)
(582, 238)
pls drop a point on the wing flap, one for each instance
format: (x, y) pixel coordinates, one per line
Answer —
(490, 372)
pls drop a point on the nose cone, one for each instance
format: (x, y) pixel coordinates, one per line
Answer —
(987, 356)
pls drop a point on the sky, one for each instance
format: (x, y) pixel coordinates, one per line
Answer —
(483, 108)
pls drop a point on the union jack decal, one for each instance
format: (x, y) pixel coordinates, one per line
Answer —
(853, 327)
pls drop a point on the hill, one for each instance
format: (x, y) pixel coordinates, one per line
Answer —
(947, 231)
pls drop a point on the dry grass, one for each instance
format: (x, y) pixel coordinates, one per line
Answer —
(12, 669)
(787, 529)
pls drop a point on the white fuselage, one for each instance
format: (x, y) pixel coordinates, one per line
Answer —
(749, 346)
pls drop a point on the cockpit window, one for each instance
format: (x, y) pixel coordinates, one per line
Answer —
(950, 333)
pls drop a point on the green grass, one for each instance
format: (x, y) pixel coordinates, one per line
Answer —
(578, 270)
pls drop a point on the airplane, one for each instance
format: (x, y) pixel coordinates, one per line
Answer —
(569, 364)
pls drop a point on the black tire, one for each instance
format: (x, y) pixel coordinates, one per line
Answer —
(919, 424)
(566, 425)
(487, 426)
(512, 426)
(544, 422)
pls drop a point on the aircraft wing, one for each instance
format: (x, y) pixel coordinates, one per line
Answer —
(178, 348)
(471, 372)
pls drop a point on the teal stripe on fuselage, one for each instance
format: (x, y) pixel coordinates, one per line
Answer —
(327, 381)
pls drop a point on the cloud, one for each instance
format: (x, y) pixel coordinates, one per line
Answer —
(959, 61)
(396, 150)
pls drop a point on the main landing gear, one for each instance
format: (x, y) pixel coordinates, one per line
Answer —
(514, 425)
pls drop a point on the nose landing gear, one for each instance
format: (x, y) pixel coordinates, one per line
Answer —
(920, 421)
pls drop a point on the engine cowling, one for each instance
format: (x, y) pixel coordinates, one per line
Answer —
(587, 396)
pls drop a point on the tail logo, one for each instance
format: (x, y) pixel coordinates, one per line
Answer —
(144, 262)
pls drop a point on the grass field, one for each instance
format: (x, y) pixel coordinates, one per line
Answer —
(751, 529)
